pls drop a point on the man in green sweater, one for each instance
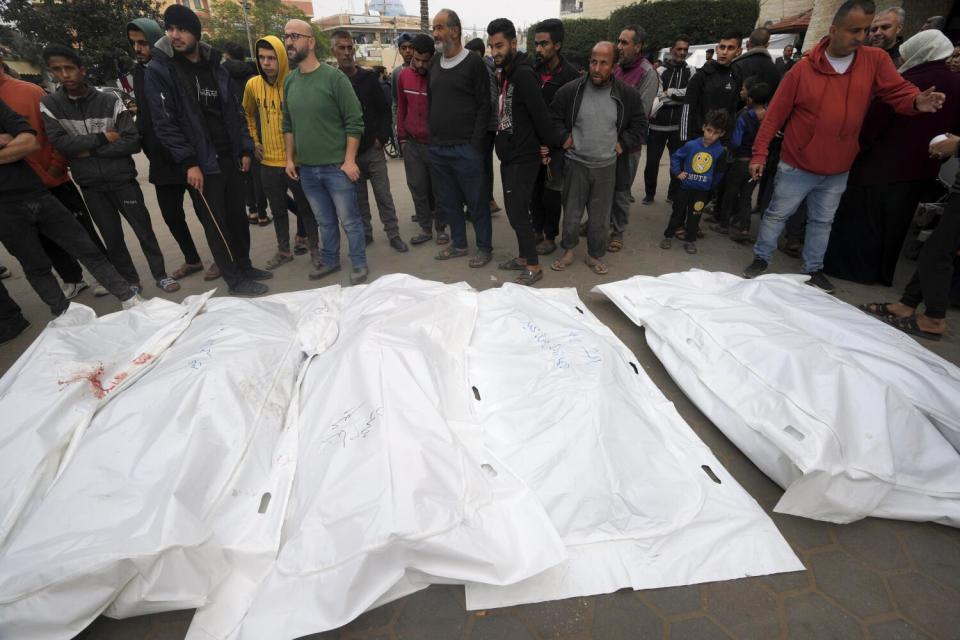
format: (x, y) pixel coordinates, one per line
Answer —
(322, 126)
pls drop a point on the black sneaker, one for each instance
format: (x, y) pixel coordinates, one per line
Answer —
(257, 274)
(399, 244)
(248, 289)
(756, 267)
(16, 327)
(647, 199)
(820, 281)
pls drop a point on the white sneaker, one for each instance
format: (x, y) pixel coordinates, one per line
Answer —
(132, 302)
(100, 291)
(72, 289)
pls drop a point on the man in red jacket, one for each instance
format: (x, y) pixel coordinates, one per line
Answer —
(825, 97)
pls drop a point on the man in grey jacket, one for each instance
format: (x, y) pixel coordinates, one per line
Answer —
(98, 136)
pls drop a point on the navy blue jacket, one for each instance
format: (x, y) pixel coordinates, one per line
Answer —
(701, 163)
(177, 119)
(744, 133)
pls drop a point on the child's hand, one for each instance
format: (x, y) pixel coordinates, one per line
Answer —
(683, 175)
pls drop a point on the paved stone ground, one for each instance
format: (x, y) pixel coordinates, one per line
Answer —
(875, 579)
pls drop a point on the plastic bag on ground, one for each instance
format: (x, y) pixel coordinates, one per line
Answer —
(800, 383)
(625, 480)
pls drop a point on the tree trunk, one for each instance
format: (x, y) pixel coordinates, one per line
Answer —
(425, 16)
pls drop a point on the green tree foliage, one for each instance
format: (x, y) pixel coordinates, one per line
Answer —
(579, 37)
(266, 17)
(702, 21)
(96, 27)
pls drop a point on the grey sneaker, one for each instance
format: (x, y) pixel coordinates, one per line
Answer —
(756, 267)
(72, 289)
(359, 275)
(168, 284)
(130, 303)
(99, 291)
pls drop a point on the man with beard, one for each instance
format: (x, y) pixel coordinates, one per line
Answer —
(634, 70)
(322, 128)
(553, 71)
(666, 124)
(459, 99)
(886, 32)
(599, 118)
(523, 128)
(263, 107)
(169, 179)
(199, 122)
(376, 131)
(413, 135)
(825, 98)
(786, 62)
(405, 46)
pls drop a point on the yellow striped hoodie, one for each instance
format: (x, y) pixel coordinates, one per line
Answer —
(263, 102)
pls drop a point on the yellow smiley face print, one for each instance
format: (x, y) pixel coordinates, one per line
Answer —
(702, 162)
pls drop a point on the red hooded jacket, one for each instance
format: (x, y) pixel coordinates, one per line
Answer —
(24, 98)
(825, 109)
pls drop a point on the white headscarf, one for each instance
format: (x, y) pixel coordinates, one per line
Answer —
(926, 46)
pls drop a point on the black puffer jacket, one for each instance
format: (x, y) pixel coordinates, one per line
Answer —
(163, 170)
(76, 127)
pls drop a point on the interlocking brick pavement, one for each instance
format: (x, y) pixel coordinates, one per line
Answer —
(875, 579)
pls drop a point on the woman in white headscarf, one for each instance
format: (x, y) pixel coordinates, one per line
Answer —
(894, 170)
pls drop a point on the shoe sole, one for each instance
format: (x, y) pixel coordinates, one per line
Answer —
(314, 276)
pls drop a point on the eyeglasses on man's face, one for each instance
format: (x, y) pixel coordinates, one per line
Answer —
(294, 37)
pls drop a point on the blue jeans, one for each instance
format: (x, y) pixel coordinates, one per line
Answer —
(332, 195)
(791, 187)
(459, 179)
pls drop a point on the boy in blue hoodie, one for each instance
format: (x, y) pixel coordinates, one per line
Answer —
(697, 166)
(738, 195)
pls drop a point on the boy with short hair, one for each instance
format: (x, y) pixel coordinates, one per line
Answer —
(697, 166)
(738, 192)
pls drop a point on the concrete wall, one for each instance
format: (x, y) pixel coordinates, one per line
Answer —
(776, 10)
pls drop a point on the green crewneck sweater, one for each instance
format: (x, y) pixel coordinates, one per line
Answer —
(321, 110)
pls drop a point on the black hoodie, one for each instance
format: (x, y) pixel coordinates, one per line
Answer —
(523, 118)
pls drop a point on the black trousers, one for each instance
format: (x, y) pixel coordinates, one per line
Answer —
(489, 143)
(170, 199)
(106, 208)
(21, 225)
(736, 207)
(253, 190)
(66, 267)
(933, 278)
(10, 313)
(221, 211)
(545, 207)
(276, 183)
(519, 179)
(687, 208)
(656, 142)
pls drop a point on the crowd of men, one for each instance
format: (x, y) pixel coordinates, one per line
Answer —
(299, 135)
